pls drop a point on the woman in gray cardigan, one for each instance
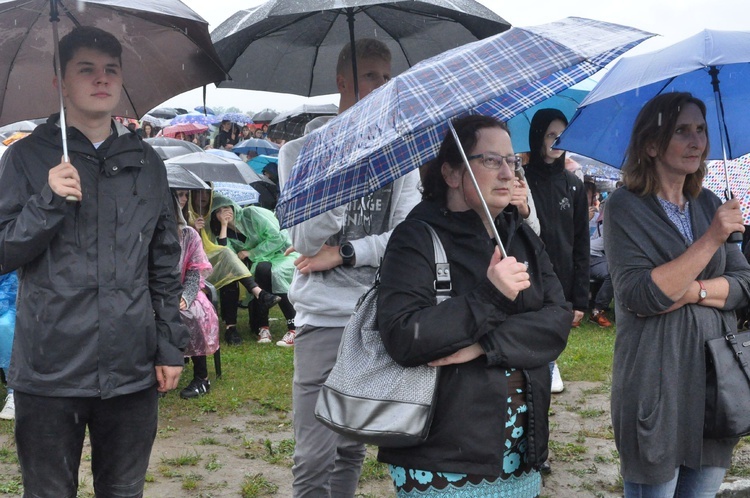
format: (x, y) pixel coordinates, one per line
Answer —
(676, 284)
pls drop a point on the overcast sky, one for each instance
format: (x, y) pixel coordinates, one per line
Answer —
(674, 19)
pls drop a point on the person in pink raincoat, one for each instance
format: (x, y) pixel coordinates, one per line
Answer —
(196, 310)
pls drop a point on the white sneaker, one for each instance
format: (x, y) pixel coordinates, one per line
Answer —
(288, 340)
(557, 382)
(9, 410)
(264, 337)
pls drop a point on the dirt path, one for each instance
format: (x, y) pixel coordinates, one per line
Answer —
(214, 456)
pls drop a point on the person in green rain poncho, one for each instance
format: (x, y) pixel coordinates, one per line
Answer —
(253, 233)
(228, 268)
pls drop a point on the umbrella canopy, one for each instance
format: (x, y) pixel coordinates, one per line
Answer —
(235, 117)
(297, 44)
(257, 145)
(602, 126)
(186, 128)
(291, 124)
(168, 148)
(223, 153)
(260, 162)
(400, 126)
(241, 194)
(566, 101)
(194, 118)
(24, 125)
(204, 110)
(166, 51)
(182, 179)
(212, 168)
(264, 116)
(738, 171)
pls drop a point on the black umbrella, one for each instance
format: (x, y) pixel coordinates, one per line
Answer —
(168, 148)
(291, 124)
(264, 116)
(182, 179)
(166, 51)
(213, 168)
(292, 47)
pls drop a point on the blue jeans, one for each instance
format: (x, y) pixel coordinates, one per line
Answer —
(50, 432)
(686, 483)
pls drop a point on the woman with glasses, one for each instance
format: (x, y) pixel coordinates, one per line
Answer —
(506, 320)
(563, 212)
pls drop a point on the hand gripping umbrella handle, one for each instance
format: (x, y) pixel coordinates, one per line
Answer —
(54, 19)
(734, 237)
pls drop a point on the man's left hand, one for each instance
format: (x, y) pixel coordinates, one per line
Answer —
(167, 377)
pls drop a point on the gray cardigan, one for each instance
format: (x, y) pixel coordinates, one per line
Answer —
(658, 378)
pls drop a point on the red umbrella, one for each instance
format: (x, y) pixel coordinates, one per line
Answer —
(187, 128)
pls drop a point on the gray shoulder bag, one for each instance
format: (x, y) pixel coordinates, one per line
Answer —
(368, 396)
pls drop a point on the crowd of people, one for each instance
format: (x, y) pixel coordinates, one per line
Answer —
(126, 299)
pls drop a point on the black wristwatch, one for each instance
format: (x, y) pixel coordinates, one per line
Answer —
(346, 251)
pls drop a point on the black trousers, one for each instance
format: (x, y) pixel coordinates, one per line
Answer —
(50, 432)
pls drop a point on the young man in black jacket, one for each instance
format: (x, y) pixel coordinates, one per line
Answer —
(98, 324)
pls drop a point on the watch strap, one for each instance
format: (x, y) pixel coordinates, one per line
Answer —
(702, 293)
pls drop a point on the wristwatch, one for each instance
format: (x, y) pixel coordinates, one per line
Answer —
(702, 293)
(346, 251)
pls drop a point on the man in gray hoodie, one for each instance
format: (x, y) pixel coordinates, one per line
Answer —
(341, 250)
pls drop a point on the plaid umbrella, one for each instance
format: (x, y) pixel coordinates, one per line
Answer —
(400, 126)
(291, 124)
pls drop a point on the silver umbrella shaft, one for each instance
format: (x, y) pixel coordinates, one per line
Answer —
(63, 127)
(479, 192)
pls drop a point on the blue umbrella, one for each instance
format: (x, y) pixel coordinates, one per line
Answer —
(602, 126)
(566, 101)
(400, 126)
(204, 110)
(257, 145)
(235, 117)
(260, 162)
(194, 118)
(242, 194)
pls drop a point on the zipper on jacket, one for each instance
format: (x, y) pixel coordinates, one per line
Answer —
(76, 224)
(531, 444)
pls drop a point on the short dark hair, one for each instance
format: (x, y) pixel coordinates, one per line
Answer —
(655, 126)
(433, 184)
(364, 48)
(88, 37)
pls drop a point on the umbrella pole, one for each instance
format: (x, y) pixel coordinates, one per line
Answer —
(479, 192)
(55, 19)
(735, 237)
(350, 22)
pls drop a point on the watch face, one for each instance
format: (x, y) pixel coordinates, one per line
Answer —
(346, 251)
(703, 294)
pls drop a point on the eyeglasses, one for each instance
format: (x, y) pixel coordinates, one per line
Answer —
(495, 161)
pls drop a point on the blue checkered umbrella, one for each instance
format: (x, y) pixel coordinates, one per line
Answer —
(399, 126)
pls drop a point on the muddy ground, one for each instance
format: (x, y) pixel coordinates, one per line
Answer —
(215, 456)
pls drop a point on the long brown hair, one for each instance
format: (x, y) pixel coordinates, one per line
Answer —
(655, 126)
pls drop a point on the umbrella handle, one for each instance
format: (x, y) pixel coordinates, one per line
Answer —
(55, 19)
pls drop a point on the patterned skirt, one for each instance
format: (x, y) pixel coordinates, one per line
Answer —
(518, 479)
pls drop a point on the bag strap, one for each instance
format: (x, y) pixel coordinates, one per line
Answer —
(738, 353)
(442, 282)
